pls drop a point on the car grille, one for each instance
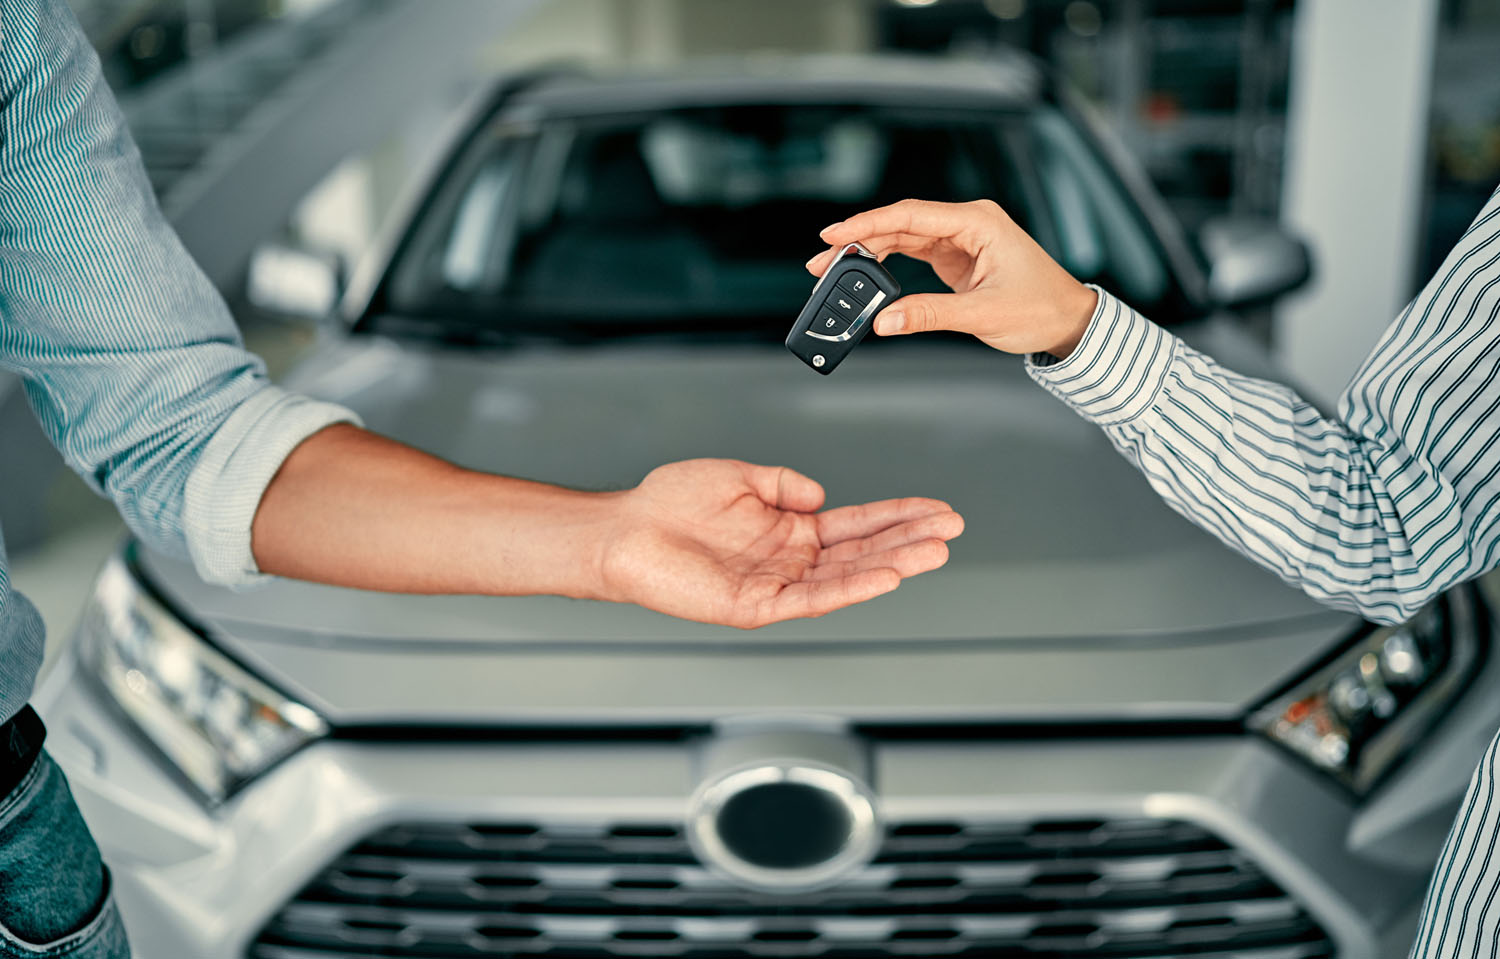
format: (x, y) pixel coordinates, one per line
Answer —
(1121, 888)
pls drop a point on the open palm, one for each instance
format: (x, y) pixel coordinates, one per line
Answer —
(729, 542)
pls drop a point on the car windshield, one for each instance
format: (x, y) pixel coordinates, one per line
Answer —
(698, 220)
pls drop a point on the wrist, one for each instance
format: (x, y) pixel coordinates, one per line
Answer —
(606, 544)
(1075, 313)
(536, 539)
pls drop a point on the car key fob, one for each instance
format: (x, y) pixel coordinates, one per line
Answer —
(842, 309)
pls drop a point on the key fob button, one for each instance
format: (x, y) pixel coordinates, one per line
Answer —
(857, 287)
(837, 314)
(831, 322)
(843, 304)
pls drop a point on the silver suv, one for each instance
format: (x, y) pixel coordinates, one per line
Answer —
(1097, 732)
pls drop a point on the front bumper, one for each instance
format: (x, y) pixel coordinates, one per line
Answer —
(202, 883)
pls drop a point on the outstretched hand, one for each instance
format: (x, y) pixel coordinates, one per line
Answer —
(723, 541)
(1006, 290)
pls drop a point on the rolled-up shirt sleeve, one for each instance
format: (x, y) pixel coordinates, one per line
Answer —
(1377, 510)
(129, 356)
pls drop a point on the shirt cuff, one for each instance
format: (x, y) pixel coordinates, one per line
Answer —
(1117, 369)
(225, 487)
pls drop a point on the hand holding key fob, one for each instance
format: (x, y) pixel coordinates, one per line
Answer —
(842, 309)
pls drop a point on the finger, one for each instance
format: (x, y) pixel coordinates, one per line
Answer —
(806, 599)
(939, 526)
(919, 217)
(912, 559)
(881, 246)
(866, 519)
(925, 312)
(820, 263)
(924, 248)
(785, 488)
(917, 247)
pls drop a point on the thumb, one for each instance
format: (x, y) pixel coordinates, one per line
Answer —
(785, 488)
(925, 312)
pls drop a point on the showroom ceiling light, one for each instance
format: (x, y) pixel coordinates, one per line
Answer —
(1083, 18)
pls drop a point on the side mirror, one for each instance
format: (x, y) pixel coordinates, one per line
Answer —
(293, 283)
(1252, 261)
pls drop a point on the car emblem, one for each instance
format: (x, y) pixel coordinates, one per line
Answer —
(790, 822)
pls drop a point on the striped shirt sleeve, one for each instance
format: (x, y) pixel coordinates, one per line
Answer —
(1376, 511)
(130, 358)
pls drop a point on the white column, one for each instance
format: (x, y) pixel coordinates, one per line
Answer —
(1356, 150)
(804, 26)
(654, 31)
(848, 26)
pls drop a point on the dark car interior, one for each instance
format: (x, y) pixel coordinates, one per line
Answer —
(700, 219)
(729, 246)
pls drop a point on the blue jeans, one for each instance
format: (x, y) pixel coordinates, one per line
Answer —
(55, 898)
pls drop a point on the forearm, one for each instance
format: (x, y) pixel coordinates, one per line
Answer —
(351, 508)
(1377, 511)
(718, 541)
(1254, 464)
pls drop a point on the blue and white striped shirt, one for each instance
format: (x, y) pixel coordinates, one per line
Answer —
(1377, 511)
(130, 358)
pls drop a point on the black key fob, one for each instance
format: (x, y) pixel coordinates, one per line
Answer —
(842, 309)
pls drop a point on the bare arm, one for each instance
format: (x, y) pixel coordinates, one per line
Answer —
(139, 376)
(711, 540)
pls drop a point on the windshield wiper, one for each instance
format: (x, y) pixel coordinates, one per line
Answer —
(442, 331)
(571, 332)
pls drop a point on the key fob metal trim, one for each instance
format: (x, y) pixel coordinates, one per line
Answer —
(825, 351)
(868, 312)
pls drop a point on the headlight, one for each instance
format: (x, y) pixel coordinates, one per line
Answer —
(217, 723)
(1357, 715)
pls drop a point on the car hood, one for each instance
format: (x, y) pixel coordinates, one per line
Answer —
(1066, 547)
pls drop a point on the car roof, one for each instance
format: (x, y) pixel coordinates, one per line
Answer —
(1004, 81)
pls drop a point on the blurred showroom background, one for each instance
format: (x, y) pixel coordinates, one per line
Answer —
(1096, 732)
(1369, 127)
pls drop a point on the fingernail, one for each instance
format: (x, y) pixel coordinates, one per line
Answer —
(810, 260)
(891, 321)
(830, 228)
